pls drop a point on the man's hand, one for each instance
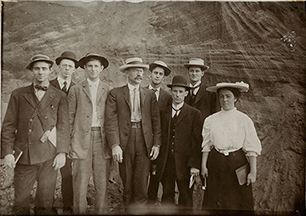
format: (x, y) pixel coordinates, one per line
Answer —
(59, 161)
(10, 160)
(154, 152)
(117, 154)
(194, 171)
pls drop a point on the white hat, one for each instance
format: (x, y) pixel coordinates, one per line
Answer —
(160, 64)
(133, 63)
(241, 86)
(196, 62)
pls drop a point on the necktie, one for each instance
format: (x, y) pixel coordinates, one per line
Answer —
(176, 112)
(155, 92)
(39, 87)
(64, 89)
(192, 90)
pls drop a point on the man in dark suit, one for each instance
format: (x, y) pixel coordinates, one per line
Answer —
(132, 127)
(180, 155)
(36, 122)
(67, 64)
(198, 97)
(159, 70)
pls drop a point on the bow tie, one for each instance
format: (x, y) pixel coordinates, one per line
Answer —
(154, 89)
(38, 87)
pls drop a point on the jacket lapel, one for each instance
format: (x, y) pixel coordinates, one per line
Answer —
(100, 92)
(182, 114)
(126, 95)
(29, 95)
(85, 88)
(200, 94)
(47, 98)
(143, 96)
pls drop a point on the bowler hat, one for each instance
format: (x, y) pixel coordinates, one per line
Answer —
(241, 86)
(160, 64)
(179, 81)
(37, 58)
(196, 62)
(67, 55)
(133, 63)
(84, 60)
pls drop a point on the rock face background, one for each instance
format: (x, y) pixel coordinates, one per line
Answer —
(262, 44)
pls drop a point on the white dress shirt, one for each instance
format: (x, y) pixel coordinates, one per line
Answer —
(93, 87)
(135, 103)
(156, 92)
(38, 92)
(176, 107)
(197, 85)
(61, 82)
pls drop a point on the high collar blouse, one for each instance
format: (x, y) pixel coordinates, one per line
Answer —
(230, 131)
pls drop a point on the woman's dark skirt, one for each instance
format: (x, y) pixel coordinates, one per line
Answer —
(223, 191)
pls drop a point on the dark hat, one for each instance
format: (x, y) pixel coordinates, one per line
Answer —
(84, 60)
(160, 64)
(179, 81)
(67, 55)
(196, 62)
(241, 86)
(133, 63)
(37, 58)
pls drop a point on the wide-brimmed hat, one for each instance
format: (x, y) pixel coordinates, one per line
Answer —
(196, 62)
(179, 81)
(160, 64)
(84, 60)
(67, 55)
(37, 58)
(241, 86)
(133, 63)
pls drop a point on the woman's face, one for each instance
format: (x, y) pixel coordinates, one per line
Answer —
(227, 99)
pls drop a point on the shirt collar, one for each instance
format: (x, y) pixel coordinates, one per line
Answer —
(197, 84)
(46, 84)
(151, 88)
(131, 87)
(61, 80)
(91, 83)
(179, 106)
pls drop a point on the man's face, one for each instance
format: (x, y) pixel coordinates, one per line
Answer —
(157, 75)
(93, 69)
(195, 74)
(178, 94)
(67, 67)
(135, 75)
(41, 71)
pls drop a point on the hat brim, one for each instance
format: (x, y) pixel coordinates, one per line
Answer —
(103, 60)
(124, 67)
(29, 66)
(179, 85)
(227, 85)
(204, 67)
(154, 65)
(59, 59)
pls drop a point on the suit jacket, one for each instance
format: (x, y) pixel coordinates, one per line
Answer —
(27, 119)
(187, 141)
(164, 99)
(118, 117)
(80, 118)
(55, 83)
(205, 101)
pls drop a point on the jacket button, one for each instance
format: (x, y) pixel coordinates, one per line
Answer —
(31, 120)
(30, 130)
(46, 117)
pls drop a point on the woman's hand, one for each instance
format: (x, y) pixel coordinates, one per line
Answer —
(204, 172)
(251, 178)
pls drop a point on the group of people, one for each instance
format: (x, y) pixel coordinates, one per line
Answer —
(157, 137)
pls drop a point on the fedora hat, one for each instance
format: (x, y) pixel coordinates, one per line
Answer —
(37, 58)
(179, 81)
(67, 55)
(241, 86)
(160, 64)
(84, 60)
(196, 62)
(133, 63)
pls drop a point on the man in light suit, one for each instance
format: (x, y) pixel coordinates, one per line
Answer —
(198, 97)
(159, 70)
(89, 151)
(133, 133)
(67, 64)
(180, 155)
(33, 112)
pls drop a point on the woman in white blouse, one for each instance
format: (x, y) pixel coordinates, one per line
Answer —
(229, 142)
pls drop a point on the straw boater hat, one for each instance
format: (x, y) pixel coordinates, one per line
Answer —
(84, 60)
(133, 63)
(196, 62)
(179, 81)
(241, 86)
(67, 55)
(160, 64)
(38, 58)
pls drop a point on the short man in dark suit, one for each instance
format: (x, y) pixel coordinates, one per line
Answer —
(159, 70)
(132, 127)
(180, 155)
(198, 97)
(36, 122)
(67, 64)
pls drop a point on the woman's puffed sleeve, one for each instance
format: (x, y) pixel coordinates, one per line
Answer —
(206, 144)
(252, 144)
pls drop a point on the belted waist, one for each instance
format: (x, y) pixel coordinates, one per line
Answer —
(226, 152)
(136, 124)
(95, 128)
